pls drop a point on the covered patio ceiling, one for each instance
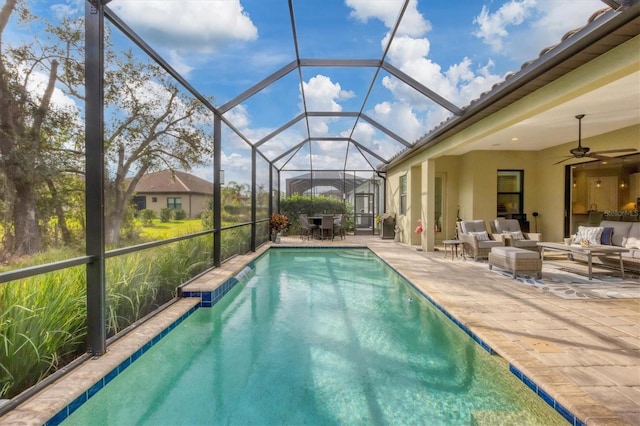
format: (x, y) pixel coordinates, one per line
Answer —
(353, 85)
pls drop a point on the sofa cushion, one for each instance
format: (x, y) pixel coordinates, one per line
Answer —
(591, 233)
(489, 244)
(607, 233)
(472, 226)
(632, 243)
(620, 231)
(504, 226)
(524, 243)
(480, 236)
(515, 235)
(634, 231)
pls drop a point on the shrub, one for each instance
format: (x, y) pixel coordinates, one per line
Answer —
(166, 215)
(179, 214)
(146, 217)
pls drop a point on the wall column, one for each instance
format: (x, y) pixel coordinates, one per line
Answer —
(428, 201)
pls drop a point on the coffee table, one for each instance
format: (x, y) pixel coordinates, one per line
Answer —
(588, 251)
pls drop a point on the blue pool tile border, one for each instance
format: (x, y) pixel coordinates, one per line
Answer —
(210, 298)
(61, 415)
(545, 396)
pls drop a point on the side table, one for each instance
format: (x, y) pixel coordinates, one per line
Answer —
(453, 245)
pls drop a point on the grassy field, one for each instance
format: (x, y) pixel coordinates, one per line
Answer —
(162, 230)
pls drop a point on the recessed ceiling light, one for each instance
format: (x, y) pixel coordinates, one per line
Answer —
(604, 162)
(514, 139)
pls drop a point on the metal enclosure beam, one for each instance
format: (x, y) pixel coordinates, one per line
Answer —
(258, 87)
(94, 180)
(217, 192)
(421, 88)
(253, 197)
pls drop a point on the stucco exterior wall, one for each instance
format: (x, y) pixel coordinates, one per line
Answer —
(192, 204)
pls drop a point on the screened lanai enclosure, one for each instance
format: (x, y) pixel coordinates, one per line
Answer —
(143, 143)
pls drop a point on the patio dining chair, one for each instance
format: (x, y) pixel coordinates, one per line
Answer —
(338, 226)
(326, 226)
(306, 229)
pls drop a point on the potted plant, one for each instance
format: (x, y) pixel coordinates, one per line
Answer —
(278, 223)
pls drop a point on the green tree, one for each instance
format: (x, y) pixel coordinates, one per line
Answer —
(30, 125)
(152, 126)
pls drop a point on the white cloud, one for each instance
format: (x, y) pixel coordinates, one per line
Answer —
(190, 25)
(178, 63)
(493, 26)
(321, 94)
(518, 28)
(239, 117)
(413, 23)
(65, 10)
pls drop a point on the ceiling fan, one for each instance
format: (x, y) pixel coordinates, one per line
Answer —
(583, 151)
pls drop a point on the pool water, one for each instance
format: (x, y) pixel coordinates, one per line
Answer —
(317, 336)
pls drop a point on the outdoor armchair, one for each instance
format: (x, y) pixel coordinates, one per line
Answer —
(509, 232)
(476, 240)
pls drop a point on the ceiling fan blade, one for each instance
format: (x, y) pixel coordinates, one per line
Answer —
(562, 161)
(611, 151)
(599, 157)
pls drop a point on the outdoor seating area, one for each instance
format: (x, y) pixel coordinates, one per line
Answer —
(323, 226)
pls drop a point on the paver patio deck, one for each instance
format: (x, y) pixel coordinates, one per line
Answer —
(584, 353)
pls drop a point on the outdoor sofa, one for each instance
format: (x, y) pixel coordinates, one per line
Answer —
(620, 234)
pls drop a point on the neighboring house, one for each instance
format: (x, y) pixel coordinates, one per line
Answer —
(173, 189)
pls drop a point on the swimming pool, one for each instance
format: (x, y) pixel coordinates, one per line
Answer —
(317, 336)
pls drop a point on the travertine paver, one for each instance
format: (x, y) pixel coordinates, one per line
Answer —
(584, 353)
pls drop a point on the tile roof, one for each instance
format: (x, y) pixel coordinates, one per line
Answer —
(173, 181)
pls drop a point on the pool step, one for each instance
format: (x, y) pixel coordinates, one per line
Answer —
(493, 418)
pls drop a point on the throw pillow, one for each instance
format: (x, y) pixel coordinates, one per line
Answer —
(591, 233)
(607, 233)
(516, 235)
(480, 236)
(632, 243)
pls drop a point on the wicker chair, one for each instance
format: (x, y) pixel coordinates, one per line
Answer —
(306, 229)
(338, 225)
(326, 226)
(476, 240)
(508, 231)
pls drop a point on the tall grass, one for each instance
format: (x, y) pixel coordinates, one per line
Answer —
(139, 283)
(42, 318)
(42, 326)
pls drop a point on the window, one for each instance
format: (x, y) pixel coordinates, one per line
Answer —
(174, 203)
(154, 199)
(510, 193)
(403, 194)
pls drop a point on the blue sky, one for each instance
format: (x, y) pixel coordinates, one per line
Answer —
(457, 49)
